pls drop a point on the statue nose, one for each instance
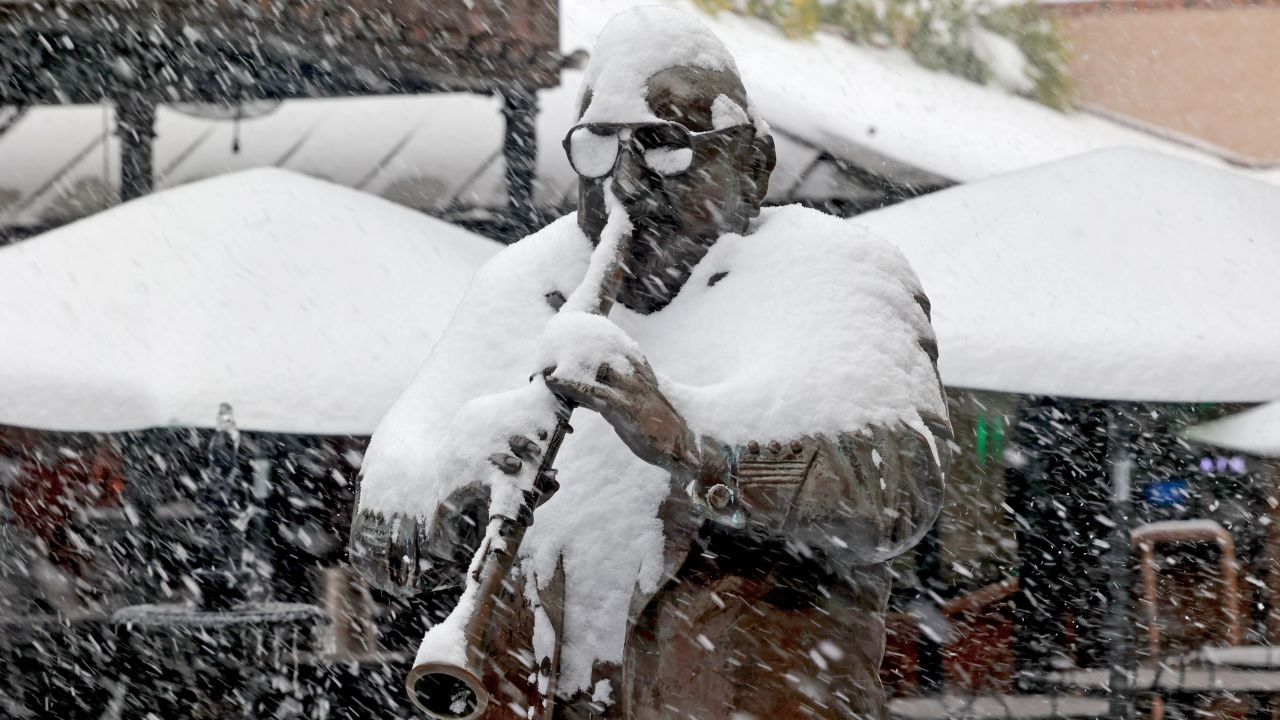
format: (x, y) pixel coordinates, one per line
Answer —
(631, 181)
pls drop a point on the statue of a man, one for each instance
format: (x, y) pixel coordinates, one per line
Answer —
(768, 427)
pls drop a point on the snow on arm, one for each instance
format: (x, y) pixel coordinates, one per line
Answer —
(442, 427)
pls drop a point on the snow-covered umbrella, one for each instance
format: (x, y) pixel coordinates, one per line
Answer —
(1255, 431)
(1120, 275)
(305, 305)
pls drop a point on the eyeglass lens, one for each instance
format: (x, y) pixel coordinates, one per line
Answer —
(664, 149)
(592, 153)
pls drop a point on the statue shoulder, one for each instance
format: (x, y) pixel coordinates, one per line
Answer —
(556, 254)
(809, 234)
(483, 350)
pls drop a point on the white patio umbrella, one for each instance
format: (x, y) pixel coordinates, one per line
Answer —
(1120, 275)
(1117, 275)
(1255, 431)
(305, 305)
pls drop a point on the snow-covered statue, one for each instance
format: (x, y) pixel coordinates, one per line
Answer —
(759, 428)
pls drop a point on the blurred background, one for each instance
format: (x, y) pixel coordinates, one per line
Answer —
(230, 231)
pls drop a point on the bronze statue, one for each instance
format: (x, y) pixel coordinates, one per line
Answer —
(767, 429)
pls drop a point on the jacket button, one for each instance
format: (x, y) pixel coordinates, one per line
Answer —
(719, 496)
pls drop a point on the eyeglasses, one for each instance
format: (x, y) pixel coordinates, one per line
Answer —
(665, 148)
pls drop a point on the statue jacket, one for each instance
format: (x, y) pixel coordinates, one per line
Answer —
(804, 349)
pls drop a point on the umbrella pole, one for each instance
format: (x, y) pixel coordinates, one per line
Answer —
(1119, 572)
(1271, 550)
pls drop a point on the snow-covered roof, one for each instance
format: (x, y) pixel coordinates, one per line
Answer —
(876, 109)
(1255, 431)
(883, 111)
(1120, 274)
(306, 305)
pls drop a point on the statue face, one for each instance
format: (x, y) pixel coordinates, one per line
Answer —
(678, 217)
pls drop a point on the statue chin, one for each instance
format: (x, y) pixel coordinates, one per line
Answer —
(662, 261)
(645, 300)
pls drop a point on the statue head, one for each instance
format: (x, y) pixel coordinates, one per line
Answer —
(666, 125)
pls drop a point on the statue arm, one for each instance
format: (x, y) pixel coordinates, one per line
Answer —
(856, 498)
(860, 496)
(399, 554)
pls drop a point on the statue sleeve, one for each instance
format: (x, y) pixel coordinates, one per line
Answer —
(397, 553)
(856, 498)
(419, 512)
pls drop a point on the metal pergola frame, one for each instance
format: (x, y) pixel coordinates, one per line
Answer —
(137, 54)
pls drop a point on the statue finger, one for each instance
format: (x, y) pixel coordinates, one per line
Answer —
(604, 375)
(524, 448)
(641, 368)
(508, 464)
(588, 394)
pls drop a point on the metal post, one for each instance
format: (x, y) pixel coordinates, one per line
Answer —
(929, 649)
(1119, 573)
(1027, 480)
(261, 561)
(224, 499)
(520, 150)
(1270, 476)
(135, 126)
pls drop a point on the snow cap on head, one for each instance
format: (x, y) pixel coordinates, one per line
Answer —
(635, 45)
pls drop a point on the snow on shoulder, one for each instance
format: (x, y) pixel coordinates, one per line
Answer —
(1119, 274)
(305, 305)
(814, 327)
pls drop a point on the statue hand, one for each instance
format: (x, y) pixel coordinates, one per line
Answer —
(520, 450)
(494, 447)
(385, 550)
(630, 399)
(403, 554)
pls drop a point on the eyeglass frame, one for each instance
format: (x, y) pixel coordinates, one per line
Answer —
(693, 136)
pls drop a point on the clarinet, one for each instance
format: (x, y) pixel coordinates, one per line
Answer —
(451, 688)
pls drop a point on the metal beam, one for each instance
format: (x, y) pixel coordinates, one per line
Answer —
(135, 126)
(83, 52)
(520, 150)
(1122, 433)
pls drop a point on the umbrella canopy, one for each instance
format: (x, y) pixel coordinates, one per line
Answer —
(1117, 275)
(306, 305)
(1255, 431)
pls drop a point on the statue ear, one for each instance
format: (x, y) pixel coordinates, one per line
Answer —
(762, 161)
